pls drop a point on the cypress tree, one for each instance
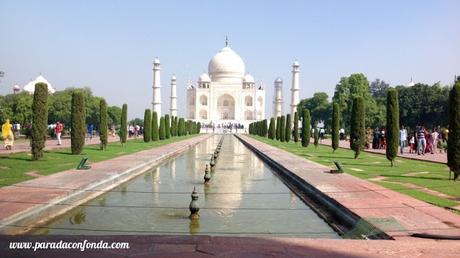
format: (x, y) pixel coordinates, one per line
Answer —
(103, 126)
(271, 130)
(198, 128)
(296, 127)
(162, 128)
(124, 123)
(335, 126)
(392, 130)
(181, 127)
(357, 126)
(155, 136)
(316, 137)
(278, 128)
(453, 141)
(77, 119)
(282, 129)
(147, 125)
(288, 128)
(167, 127)
(265, 127)
(305, 128)
(176, 126)
(40, 120)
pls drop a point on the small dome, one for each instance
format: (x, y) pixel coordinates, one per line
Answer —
(226, 66)
(16, 88)
(204, 77)
(279, 80)
(156, 60)
(248, 78)
(173, 78)
(296, 63)
(411, 83)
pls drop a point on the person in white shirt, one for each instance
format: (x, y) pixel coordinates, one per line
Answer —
(402, 138)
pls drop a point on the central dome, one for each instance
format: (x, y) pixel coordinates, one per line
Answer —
(226, 66)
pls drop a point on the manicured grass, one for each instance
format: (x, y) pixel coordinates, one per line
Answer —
(434, 176)
(13, 167)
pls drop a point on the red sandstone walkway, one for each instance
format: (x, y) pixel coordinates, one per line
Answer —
(437, 157)
(23, 197)
(24, 146)
(397, 214)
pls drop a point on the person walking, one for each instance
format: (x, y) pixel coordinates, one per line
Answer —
(402, 138)
(421, 142)
(58, 131)
(7, 135)
(90, 130)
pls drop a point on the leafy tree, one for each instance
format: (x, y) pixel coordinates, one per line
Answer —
(77, 133)
(167, 127)
(155, 136)
(136, 121)
(316, 137)
(453, 142)
(357, 85)
(147, 125)
(288, 128)
(379, 89)
(103, 124)
(124, 124)
(162, 128)
(335, 126)
(282, 129)
(305, 128)
(114, 115)
(278, 128)
(392, 128)
(271, 130)
(296, 127)
(357, 124)
(40, 119)
(319, 106)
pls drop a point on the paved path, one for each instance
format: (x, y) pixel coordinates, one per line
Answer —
(24, 145)
(397, 214)
(34, 195)
(437, 157)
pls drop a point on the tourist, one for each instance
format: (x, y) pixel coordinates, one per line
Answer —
(421, 142)
(136, 131)
(412, 144)
(130, 131)
(369, 138)
(321, 134)
(402, 138)
(429, 142)
(383, 144)
(58, 132)
(7, 135)
(375, 139)
(90, 130)
(342, 134)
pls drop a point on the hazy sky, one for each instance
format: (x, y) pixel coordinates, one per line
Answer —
(109, 46)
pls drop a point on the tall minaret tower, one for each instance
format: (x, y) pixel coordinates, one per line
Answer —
(173, 97)
(278, 98)
(156, 103)
(295, 89)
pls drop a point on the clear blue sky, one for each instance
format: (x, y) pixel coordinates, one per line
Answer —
(109, 46)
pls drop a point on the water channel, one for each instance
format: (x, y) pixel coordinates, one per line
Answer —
(244, 198)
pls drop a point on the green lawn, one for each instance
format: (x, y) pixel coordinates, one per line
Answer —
(434, 176)
(13, 167)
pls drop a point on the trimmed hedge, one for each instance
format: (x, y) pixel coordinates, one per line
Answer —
(40, 120)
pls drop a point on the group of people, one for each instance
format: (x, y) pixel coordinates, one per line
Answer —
(423, 141)
(420, 141)
(135, 131)
(225, 127)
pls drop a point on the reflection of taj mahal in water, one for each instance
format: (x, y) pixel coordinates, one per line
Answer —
(226, 94)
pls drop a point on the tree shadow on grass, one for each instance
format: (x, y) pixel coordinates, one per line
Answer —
(15, 158)
(415, 177)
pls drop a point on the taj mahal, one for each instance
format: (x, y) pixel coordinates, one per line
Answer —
(226, 94)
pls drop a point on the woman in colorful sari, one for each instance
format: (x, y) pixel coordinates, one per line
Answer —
(7, 135)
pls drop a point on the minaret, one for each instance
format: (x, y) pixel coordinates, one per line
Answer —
(156, 103)
(173, 97)
(295, 88)
(278, 98)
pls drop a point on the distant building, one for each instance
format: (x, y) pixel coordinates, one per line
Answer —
(30, 87)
